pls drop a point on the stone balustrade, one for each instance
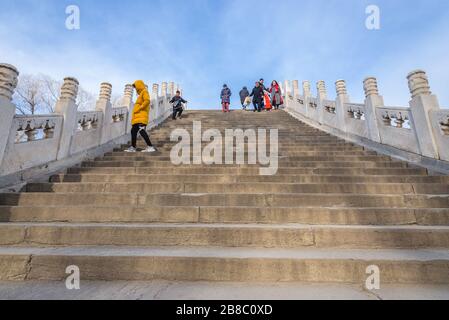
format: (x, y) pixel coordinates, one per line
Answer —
(33, 146)
(418, 133)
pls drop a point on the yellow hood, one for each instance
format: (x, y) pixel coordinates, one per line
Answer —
(140, 86)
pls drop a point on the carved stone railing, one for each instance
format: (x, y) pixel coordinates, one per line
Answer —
(88, 120)
(33, 128)
(119, 115)
(440, 125)
(32, 146)
(395, 128)
(33, 140)
(418, 133)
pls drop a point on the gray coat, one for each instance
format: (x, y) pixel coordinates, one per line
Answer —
(244, 94)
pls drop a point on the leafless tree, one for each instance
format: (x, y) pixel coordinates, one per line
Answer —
(116, 101)
(28, 95)
(39, 94)
(86, 101)
(51, 92)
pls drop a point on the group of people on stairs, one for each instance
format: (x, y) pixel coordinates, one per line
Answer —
(261, 97)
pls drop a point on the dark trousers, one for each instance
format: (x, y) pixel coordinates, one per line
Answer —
(257, 105)
(142, 129)
(177, 112)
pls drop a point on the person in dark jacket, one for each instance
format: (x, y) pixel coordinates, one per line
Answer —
(177, 101)
(225, 98)
(257, 95)
(244, 93)
(262, 85)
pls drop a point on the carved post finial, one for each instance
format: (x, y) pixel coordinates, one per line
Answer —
(321, 86)
(129, 91)
(295, 84)
(418, 83)
(370, 87)
(8, 80)
(155, 90)
(306, 88)
(105, 91)
(69, 89)
(340, 86)
(171, 88)
(164, 89)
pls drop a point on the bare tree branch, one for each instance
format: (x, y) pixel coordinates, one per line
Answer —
(39, 94)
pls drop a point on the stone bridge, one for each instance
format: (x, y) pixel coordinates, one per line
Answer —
(359, 206)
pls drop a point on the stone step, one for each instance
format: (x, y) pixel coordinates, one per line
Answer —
(236, 170)
(286, 140)
(398, 266)
(238, 215)
(150, 157)
(231, 188)
(281, 164)
(218, 235)
(224, 178)
(284, 148)
(281, 153)
(247, 200)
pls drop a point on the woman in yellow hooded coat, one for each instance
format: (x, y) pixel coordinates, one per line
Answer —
(140, 118)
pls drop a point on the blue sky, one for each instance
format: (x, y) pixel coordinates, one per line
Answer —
(202, 44)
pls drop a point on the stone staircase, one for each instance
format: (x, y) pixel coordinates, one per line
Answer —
(333, 210)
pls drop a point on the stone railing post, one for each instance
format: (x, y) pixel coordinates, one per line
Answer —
(104, 105)
(8, 83)
(129, 104)
(372, 101)
(307, 93)
(295, 84)
(340, 101)
(423, 101)
(155, 100)
(287, 93)
(164, 88)
(321, 95)
(321, 90)
(171, 89)
(67, 107)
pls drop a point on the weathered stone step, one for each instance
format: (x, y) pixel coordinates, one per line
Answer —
(149, 157)
(296, 138)
(238, 170)
(226, 264)
(218, 235)
(281, 164)
(290, 153)
(234, 200)
(251, 188)
(225, 178)
(290, 145)
(241, 215)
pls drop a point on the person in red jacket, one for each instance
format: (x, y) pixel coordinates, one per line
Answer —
(276, 95)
